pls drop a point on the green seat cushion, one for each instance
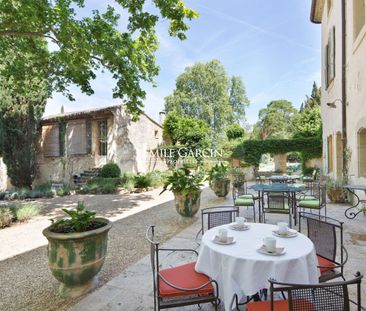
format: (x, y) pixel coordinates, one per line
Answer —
(276, 194)
(248, 196)
(244, 202)
(304, 197)
(284, 210)
(309, 204)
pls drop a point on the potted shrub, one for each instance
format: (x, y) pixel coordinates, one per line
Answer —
(77, 248)
(186, 187)
(335, 191)
(219, 181)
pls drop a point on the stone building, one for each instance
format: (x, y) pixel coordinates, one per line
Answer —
(343, 32)
(71, 143)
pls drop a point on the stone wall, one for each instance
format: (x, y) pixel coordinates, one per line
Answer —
(4, 179)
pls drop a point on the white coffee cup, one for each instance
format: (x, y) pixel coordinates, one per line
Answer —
(223, 235)
(240, 221)
(270, 244)
(282, 227)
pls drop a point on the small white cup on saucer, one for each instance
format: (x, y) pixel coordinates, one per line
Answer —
(270, 244)
(282, 228)
(223, 235)
(240, 221)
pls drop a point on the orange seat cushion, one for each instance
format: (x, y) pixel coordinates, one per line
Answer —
(325, 263)
(281, 305)
(184, 276)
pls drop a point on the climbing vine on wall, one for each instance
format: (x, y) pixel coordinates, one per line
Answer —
(251, 151)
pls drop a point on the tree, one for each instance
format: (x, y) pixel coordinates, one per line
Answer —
(235, 131)
(313, 100)
(81, 46)
(308, 122)
(238, 99)
(23, 96)
(205, 91)
(276, 120)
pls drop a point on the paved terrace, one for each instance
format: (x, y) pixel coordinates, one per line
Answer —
(125, 281)
(132, 289)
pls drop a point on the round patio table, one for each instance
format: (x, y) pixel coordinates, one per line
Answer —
(240, 269)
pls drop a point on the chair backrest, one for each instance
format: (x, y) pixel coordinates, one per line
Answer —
(323, 232)
(318, 190)
(239, 188)
(325, 296)
(154, 257)
(217, 216)
(277, 200)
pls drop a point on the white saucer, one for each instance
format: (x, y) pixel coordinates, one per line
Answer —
(230, 240)
(289, 234)
(237, 227)
(279, 251)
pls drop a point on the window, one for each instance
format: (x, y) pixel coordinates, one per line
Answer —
(51, 140)
(362, 152)
(103, 133)
(330, 58)
(339, 154)
(330, 153)
(329, 5)
(358, 17)
(76, 137)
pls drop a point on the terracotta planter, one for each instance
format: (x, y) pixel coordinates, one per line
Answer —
(75, 258)
(220, 186)
(337, 195)
(189, 204)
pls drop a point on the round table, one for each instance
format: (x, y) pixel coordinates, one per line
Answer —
(239, 269)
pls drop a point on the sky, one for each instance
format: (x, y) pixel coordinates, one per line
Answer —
(271, 45)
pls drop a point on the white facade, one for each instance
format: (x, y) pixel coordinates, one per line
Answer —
(329, 14)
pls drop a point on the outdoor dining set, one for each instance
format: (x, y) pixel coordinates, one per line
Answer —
(260, 266)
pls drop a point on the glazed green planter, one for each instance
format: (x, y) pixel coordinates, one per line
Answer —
(220, 186)
(75, 258)
(189, 204)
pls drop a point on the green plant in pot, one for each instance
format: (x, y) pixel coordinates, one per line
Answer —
(219, 181)
(77, 247)
(186, 186)
(335, 191)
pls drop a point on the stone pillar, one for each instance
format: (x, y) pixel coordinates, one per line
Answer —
(280, 161)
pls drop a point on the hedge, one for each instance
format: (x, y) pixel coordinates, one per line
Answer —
(251, 151)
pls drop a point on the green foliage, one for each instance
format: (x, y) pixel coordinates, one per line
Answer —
(143, 181)
(188, 134)
(65, 190)
(128, 181)
(6, 216)
(251, 151)
(335, 183)
(312, 101)
(204, 91)
(184, 181)
(102, 185)
(218, 171)
(25, 211)
(275, 121)
(238, 98)
(81, 220)
(110, 170)
(308, 123)
(84, 45)
(235, 131)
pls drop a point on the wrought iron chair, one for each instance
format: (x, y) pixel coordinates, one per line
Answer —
(216, 216)
(310, 297)
(278, 203)
(327, 235)
(181, 285)
(241, 196)
(316, 201)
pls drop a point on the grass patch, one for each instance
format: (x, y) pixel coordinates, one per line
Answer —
(25, 211)
(6, 216)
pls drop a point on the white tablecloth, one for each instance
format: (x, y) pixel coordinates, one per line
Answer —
(239, 268)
